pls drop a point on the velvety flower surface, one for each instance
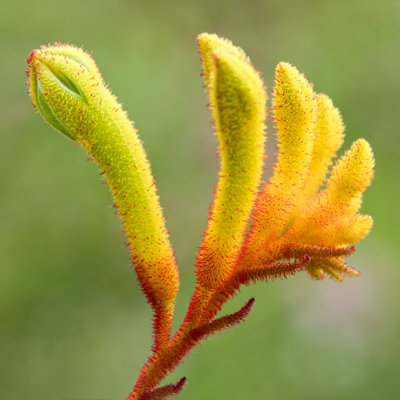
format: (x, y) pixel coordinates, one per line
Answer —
(299, 211)
(306, 216)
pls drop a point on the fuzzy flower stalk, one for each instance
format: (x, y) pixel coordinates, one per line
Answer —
(299, 219)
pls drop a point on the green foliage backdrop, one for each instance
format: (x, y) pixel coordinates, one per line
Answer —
(73, 323)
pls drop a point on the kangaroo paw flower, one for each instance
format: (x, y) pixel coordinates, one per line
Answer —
(291, 218)
(298, 220)
(68, 91)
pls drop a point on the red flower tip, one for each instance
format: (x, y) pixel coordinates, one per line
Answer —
(250, 303)
(31, 55)
(179, 385)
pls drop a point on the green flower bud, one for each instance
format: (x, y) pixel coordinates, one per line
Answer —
(67, 89)
(62, 79)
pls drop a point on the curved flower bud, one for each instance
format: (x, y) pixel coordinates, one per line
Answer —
(68, 91)
(237, 100)
(208, 44)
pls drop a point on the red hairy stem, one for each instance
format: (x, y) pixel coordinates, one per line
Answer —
(198, 302)
(162, 324)
(166, 360)
(164, 392)
(204, 299)
(244, 277)
(222, 323)
(160, 364)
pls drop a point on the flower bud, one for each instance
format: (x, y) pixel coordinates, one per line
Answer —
(61, 81)
(68, 91)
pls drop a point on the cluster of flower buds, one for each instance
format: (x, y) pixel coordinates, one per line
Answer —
(256, 230)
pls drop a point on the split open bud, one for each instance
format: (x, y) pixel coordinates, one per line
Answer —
(67, 89)
(63, 80)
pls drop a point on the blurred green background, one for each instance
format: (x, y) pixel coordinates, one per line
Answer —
(73, 322)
